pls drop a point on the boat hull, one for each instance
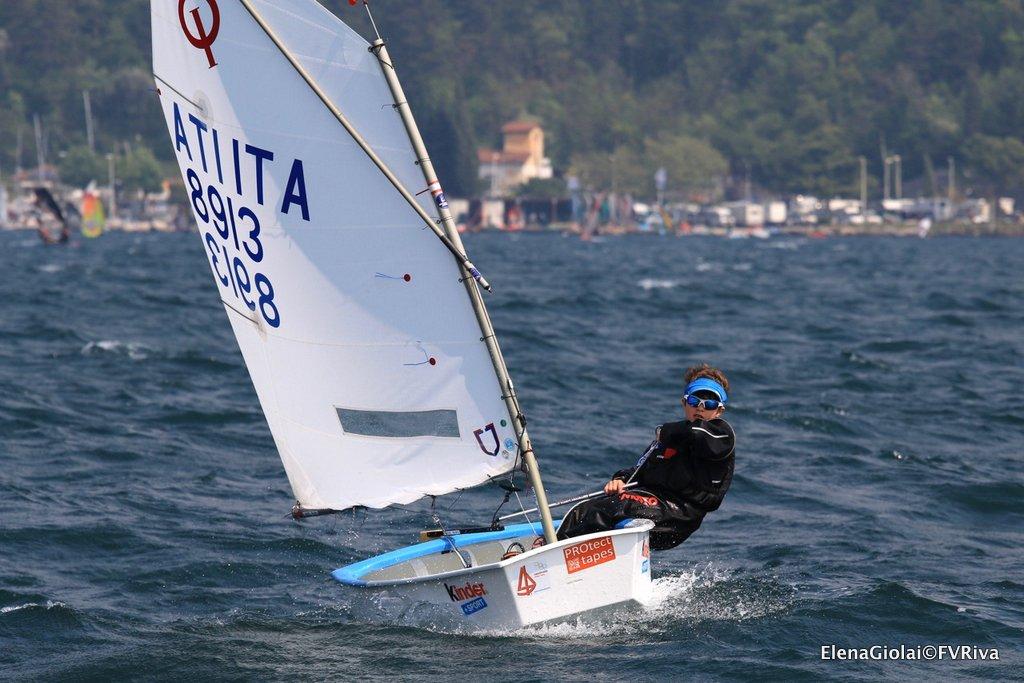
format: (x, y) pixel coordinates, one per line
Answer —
(588, 574)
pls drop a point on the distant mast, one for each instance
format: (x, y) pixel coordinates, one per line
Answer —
(89, 134)
(40, 154)
(3, 202)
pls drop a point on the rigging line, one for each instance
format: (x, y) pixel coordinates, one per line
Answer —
(235, 310)
(515, 464)
(396, 507)
(365, 146)
(369, 14)
(461, 491)
(511, 476)
(525, 514)
(178, 92)
(654, 445)
(508, 491)
(444, 532)
(494, 517)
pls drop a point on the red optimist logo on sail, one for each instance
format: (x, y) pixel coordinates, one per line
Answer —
(589, 554)
(204, 36)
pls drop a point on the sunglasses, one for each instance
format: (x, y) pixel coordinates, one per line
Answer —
(702, 403)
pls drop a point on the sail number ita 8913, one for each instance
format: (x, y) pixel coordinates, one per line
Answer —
(226, 197)
(238, 228)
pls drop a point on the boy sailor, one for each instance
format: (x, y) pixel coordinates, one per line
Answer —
(684, 475)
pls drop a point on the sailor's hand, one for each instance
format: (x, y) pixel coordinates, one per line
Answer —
(615, 486)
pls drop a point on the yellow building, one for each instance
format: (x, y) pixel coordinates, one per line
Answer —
(520, 159)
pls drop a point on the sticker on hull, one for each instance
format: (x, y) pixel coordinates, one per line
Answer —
(588, 554)
(526, 584)
(473, 606)
(534, 578)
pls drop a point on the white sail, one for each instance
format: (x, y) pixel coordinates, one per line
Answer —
(359, 338)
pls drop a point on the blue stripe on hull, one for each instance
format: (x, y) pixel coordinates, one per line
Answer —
(352, 574)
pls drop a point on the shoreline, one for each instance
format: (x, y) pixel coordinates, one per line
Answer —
(811, 232)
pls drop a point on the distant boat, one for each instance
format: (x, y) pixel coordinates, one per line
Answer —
(924, 226)
(358, 314)
(743, 233)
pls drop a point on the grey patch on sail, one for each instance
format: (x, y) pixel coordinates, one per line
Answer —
(399, 425)
(202, 104)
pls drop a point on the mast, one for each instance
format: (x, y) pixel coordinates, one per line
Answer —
(479, 309)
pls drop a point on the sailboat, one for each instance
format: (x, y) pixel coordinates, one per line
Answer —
(358, 314)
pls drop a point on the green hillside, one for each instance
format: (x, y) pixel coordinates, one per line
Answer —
(790, 93)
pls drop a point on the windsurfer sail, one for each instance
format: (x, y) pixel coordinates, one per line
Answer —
(93, 218)
(46, 212)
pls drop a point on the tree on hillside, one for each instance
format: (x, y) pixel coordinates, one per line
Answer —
(623, 170)
(80, 166)
(791, 93)
(690, 164)
(996, 163)
(140, 170)
(542, 188)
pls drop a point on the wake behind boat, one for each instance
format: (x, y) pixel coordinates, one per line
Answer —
(365, 334)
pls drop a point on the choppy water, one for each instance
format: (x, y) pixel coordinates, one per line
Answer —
(879, 494)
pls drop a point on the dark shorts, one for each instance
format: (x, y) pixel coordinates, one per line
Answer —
(673, 524)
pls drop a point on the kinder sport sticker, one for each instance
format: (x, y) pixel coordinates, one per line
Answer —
(467, 591)
(588, 554)
(473, 606)
(471, 592)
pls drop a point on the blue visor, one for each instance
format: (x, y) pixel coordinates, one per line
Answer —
(706, 384)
